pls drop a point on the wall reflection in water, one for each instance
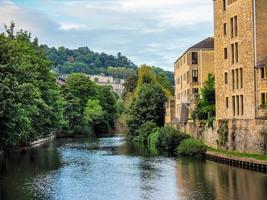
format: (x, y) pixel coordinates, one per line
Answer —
(209, 180)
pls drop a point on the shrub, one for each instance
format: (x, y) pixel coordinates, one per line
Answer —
(191, 147)
(169, 138)
(153, 138)
(144, 131)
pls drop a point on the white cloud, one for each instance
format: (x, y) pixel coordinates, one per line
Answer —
(72, 26)
(152, 31)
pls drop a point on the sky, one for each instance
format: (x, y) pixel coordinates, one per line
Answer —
(152, 32)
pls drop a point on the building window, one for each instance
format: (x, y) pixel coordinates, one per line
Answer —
(237, 104)
(237, 78)
(232, 53)
(226, 78)
(232, 27)
(194, 75)
(225, 29)
(236, 52)
(195, 90)
(233, 79)
(233, 105)
(224, 4)
(235, 22)
(225, 53)
(242, 104)
(263, 72)
(241, 78)
(263, 99)
(194, 58)
(227, 102)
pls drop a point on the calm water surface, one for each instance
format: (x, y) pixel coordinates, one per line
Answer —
(114, 169)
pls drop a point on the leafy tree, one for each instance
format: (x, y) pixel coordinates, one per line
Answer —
(148, 106)
(108, 100)
(84, 60)
(80, 86)
(206, 101)
(29, 103)
(93, 111)
(130, 85)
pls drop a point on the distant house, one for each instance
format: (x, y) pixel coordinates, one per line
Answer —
(115, 83)
(61, 80)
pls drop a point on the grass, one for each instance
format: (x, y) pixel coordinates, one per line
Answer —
(238, 154)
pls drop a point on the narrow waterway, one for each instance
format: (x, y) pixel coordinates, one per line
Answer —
(115, 169)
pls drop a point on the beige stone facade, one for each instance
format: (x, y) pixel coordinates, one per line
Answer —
(170, 111)
(240, 58)
(116, 84)
(191, 70)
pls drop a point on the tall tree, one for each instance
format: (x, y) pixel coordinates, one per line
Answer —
(147, 107)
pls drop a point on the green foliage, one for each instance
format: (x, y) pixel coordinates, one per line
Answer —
(130, 85)
(210, 122)
(33, 106)
(238, 154)
(153, 138)
(80, 86)
(169, 138)
(148, 106)
(167, 74)
(108, 100)
(191, 147)
(30, 106)
(89, 106)
(83, 60)
(93, 111)
(206, 103)
(223, 134)
(144, 131)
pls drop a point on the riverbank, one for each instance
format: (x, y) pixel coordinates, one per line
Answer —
(42, 140)
(249, 161)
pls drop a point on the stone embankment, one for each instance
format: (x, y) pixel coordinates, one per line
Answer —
(246, 163)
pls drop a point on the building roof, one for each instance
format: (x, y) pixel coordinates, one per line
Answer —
(207, 43)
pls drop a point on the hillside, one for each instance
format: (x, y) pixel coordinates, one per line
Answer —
(66, 61)
(84, 60)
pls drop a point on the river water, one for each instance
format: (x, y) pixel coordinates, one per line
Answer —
(114, 169)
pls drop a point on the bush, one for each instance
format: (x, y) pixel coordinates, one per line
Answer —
(191, 147)
(153, 138)
(169, 138)
(144, 131)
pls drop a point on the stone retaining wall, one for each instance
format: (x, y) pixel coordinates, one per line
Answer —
(248, 136)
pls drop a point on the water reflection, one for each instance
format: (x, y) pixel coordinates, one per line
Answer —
(209, 180)
(115, 169)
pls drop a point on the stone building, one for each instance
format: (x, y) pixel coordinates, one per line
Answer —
(116, 84)
(190, 71)
(240, 78)
(240, 59)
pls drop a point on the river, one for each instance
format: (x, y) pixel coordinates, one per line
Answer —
(112, 168)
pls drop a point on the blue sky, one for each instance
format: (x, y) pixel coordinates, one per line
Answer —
(153, 32)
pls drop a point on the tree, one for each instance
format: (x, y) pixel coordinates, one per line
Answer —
(129, 85)
(148, 106)
(80, 86)
(108, 100)
(29, 102)
(205, 105)
(93, 111)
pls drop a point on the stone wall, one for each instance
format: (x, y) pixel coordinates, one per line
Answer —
(248, 136)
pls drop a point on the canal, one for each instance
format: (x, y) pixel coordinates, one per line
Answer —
(114, 169)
